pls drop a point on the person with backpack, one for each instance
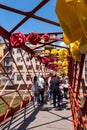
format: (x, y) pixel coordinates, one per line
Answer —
(55, 90)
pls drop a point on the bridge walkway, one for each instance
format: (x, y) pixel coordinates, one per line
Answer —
(42, 117)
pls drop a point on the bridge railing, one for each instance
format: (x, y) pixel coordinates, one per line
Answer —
(13, 95)
(78, 94)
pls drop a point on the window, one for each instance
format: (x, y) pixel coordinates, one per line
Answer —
(37, 67)
(28, 77)
(27, 58)
(20, 67)
(85, 68)
(18, 59)
(6, 61)
(86, 77)
(18, 50)
(13, 52)
(8, 68)
(18, 78)
(5, 51)
(4, 75)
(85, 63)
(30, 67)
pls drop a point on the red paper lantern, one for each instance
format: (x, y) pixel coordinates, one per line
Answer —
(33, 38)
(45, 60)
(52, 59)
(17, 40)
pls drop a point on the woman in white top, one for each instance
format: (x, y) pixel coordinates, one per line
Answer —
(41, 84)
(66, 85)
(35, 90)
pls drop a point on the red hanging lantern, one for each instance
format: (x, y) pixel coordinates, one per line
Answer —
(33, 38)
(17, 40)
(53, 65)
(52, 59)
(45, 60)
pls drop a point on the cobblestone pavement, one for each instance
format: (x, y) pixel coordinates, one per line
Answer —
(42, 117)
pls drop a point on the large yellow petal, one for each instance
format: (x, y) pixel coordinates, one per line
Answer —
(80, 7)
(68, 20)
(83, 45)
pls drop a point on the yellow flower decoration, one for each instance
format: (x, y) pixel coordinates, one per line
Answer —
(60, 67)
(54, 52)
(59, 63)
(66, 72)
(75, 52)
(63, 53)
(65, 63)
(55, 62)
(65, 68)
(47, 52)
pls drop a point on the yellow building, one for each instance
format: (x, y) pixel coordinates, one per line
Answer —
(1, 61)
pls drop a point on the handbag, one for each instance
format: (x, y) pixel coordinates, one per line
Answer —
(39, 88)
(33, 88)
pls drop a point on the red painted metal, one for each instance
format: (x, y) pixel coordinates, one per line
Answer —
(76, 85)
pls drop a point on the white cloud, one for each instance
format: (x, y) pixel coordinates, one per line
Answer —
(62, 44)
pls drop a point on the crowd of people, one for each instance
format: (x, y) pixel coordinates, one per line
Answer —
(50, 89)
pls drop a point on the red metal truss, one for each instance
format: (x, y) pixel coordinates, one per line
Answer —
(16, 92)
(77, 92)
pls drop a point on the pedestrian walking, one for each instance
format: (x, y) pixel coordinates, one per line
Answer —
(50, 95)
(66, 85)
(35, 89)
(55, 90)
(41, 84)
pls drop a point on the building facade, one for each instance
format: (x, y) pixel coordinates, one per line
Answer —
(20, 68)
(1, 61)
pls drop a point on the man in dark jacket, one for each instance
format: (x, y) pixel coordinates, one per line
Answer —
(55, 89)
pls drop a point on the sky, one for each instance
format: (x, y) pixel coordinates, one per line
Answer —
(9, 19)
